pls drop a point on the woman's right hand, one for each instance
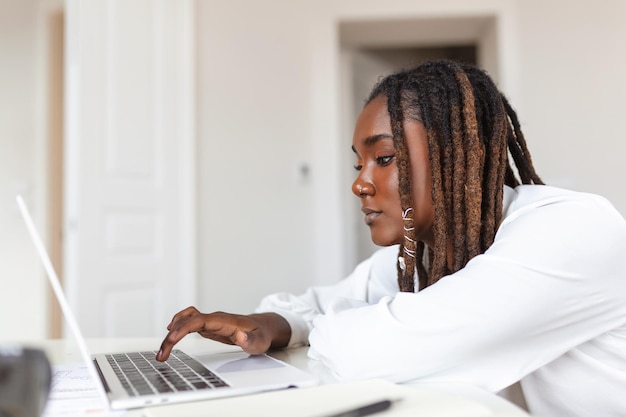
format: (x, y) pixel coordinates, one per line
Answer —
(255, 333)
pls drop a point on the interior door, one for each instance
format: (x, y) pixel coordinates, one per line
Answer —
(129, 174)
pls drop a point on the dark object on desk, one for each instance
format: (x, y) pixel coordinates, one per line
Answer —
(25, 377)
(366, 410)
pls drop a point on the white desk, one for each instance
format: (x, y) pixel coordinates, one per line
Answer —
(65, 352)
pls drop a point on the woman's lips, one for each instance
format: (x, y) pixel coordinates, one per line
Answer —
(370, 215)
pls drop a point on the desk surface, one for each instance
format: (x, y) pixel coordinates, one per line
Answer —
(66, 352)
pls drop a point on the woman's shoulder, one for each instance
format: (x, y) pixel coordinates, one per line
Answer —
(527, 198)
(561, 232)
(547, 217)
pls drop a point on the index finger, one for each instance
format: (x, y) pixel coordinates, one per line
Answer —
(184, 327)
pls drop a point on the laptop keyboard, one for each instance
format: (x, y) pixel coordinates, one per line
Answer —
(141, 374)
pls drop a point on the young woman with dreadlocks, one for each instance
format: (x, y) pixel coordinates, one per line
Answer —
(489, 277)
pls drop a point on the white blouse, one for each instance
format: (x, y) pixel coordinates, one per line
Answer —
(545, 304)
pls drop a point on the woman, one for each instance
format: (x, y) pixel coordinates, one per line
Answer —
(489, 277)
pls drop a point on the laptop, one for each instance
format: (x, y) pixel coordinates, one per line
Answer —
(135, 379)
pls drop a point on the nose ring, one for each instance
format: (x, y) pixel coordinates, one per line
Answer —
(359, 188)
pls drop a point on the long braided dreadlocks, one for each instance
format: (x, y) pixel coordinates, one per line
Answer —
(472, 132)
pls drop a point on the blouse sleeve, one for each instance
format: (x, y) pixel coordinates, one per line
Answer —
(553, 279)
(372, 279)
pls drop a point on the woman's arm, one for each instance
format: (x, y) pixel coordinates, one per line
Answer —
(371, 280)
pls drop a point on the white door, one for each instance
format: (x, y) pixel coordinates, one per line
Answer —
(129, 175)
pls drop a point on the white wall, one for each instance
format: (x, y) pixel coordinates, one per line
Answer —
(22, 294)
(254, 103)
(571, 102)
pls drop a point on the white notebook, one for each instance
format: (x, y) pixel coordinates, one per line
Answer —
(339, 399)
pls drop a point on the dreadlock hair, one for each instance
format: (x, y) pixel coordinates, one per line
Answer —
(473, 134)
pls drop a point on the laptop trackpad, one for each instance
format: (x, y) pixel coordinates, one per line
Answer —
(238, 362)
(251, 363)
(240, 369)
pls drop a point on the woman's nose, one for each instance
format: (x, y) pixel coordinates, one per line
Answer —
(362, 188)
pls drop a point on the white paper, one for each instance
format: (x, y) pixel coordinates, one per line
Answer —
(74, 393)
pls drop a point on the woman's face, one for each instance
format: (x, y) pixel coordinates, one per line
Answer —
(377, 181)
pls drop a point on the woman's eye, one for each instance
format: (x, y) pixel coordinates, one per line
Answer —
(358, 167)
(384, 160)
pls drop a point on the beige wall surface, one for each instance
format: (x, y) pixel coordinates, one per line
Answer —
(254, 205)
(271, 203)
(571, 103)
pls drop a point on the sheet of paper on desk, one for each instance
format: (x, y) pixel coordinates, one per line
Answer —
(73, 393)
(330, 399)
